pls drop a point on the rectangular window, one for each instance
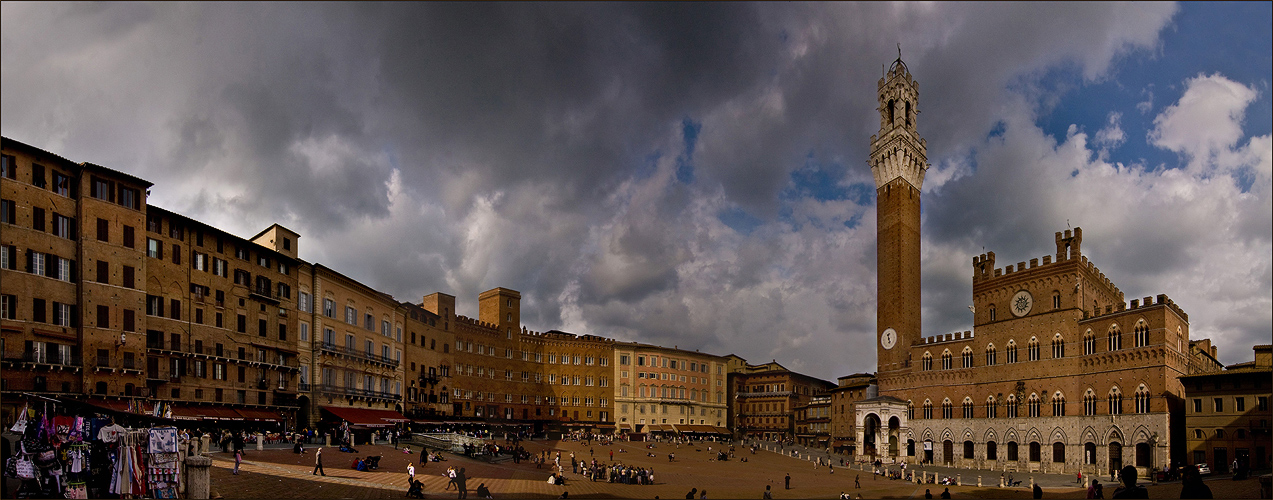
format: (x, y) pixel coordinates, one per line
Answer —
(1219, 405)
(176, 253)
(103, 317)
(242, 324)
(129, 277)
(63, 226)
(130, 320)
(200, 262)
(8, 307)
(37, 218)
(103, 230)
(329, 308)
(130, 198)
(8, 257)
(129, 234)
(154, 248)
(8, 212)
(8, 167)
(37, 175)
(175, 311)
(351, 315)
(304, 332)
(1239, 403)
(61, 184)
(63, 314)
(102, 189)
(303, 302)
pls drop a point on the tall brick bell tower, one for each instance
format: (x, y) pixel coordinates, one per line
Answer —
(898, 162)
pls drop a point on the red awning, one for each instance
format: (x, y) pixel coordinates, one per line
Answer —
(185, 413)
(366, 416)
(113, 405)
(258, 415)
(218, 413)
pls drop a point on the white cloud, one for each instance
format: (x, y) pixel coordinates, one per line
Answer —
(1112, 136)
(1207, 120)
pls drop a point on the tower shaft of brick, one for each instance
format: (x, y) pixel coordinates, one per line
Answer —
(898, 163)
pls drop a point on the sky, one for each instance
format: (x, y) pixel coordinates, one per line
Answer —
(690, 175)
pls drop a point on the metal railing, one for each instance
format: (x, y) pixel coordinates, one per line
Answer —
(348, 351)
(44, 357)
(354, 391)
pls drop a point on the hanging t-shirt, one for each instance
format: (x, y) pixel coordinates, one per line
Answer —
(111, 433)
(163, 440)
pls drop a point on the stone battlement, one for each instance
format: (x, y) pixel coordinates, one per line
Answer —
(1160, 300)
(949, 337)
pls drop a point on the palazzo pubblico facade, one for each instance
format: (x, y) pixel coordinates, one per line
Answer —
(1059, 375)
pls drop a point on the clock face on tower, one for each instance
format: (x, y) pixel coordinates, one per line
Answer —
(888, 339)
(1021, 303)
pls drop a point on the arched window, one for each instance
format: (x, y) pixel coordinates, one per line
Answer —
(928, 361)
(1089, 342)
(928, 409)
(992, 313)
(1142, 399)
(1033, 405)
(1058, 452)
(968, 406)
(908, 113)
(1056, 300)
(945, 359)
(1115, 401)
(991, 355)
(1058, 404)
(1033, 349)
(892, 105)
(992, 407)
(1115, 338)
(1012, 351)
(1058, 346)
(1011, 406)
(967, 357)
(1089, 402)
(947, 409)
(1141, 332)
(910, 410)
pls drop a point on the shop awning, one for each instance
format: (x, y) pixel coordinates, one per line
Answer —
(254, 414)
(112, 405)
(185, 413)
(367, 417)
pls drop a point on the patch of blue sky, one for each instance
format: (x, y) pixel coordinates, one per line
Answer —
(739, 220)
(685, 162)
(820, 181)
(1230, 39)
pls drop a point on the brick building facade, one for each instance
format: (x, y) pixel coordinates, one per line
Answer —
(1060, 374)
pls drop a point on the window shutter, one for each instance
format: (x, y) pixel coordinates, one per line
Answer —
(30, 260)
(71, 226)
(51, 265)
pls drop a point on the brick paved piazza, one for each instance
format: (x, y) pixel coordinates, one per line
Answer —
(279, 473)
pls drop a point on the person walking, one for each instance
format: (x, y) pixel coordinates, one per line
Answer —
(410, 473)
(450, 474)
(788, 481)
(768, 494)
(857, 482)
(318, 462)
(238, 459)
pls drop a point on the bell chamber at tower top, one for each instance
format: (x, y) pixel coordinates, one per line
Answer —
(898, 150)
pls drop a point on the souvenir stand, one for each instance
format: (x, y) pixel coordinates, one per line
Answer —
(74, 450)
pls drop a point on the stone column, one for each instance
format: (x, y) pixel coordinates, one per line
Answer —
(978, 481)
(260, 441)
(327, 440)
(198, 478)
(959, 479)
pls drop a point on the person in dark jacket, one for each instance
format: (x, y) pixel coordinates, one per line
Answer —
(1191, 485)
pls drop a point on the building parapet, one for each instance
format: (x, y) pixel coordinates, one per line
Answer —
(949, 337)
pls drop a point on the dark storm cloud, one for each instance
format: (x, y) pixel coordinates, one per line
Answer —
(543, 147)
